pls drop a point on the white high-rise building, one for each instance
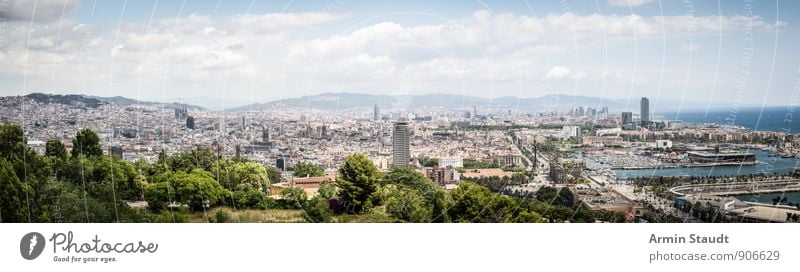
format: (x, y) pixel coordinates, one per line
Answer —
(571, 131)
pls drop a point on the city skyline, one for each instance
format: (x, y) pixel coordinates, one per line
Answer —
(635, 111)
(235, 53)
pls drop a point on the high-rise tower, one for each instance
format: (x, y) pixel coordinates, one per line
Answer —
(645, 114)
(401, 145)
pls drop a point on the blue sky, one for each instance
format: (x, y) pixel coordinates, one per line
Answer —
(727, 52)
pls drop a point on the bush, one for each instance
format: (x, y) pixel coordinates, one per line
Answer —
(221, 216)
(317, 210)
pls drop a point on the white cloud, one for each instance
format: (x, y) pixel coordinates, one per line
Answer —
(200, 54)
(625, 3)
(272, 22)
(558, 72)
(41, 10)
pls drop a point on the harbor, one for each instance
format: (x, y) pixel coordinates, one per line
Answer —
(626, 166)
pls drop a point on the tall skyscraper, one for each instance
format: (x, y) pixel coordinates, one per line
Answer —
(645, 114)
(474, 111)
(376, 115)
(401, 146)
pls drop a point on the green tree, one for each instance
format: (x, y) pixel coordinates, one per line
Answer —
(429, 162)
(251, 199)
(469, 202)
(307, 169)
(12, 195)
(197, 189)
(188, 161)
(357, 180)
(12, 140)
(528, 217)
(241, 175)
(327, 190)
(556, 196)
(441, 204)
(158, 195)
(409, 178)
(475, 203)
(105, 179)
(407, 205)
(55, 148)
(274, 174)
(294, 198)
(86, 143)
(317, 210)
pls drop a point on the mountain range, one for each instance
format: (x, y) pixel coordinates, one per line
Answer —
(96, 101)
(351, 101)
(553, 102)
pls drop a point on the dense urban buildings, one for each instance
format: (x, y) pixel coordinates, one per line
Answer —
(599, 156)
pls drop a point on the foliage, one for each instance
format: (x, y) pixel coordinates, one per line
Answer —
(407, 205)
(429, 162)
(294, 198)
(317, 210)
(274, 174)
(556, 196)
(12, 195)
(408, 178)
(327, 190)
(358, 181)
(198, 190)
(307, 169)
(91, 187)
(86, 143)
(221, 216)
(187, 161)
(55, 148)
(473, 164)
(470, 203)
(241, 175)
(251, 199)
(442, 202)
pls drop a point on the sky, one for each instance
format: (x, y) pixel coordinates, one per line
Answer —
(237, 52)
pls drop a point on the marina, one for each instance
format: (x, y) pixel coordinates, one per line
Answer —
(765, 164)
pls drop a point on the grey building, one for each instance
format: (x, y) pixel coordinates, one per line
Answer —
(645, 114)
(401, 145)
(190, 122)
(627, 118)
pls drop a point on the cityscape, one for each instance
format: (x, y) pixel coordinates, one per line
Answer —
(615, 166)
(408, 112)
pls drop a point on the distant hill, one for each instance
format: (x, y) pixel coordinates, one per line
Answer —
(350, 101)
(553, 102)
(96, 101)
(69, 99)
(124, 101)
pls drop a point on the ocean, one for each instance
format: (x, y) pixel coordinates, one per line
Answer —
(783, 119)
